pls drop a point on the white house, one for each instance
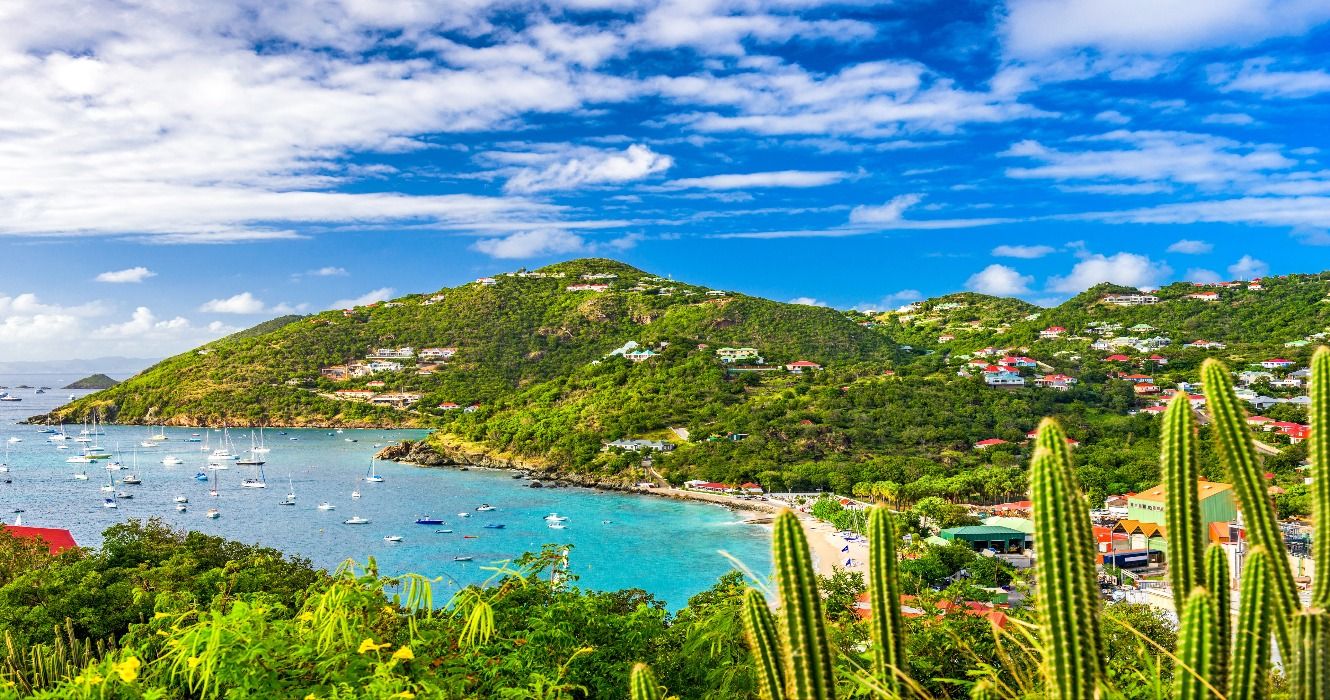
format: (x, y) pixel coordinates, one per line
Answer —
(1004, 379)
(436, 353)
(1277, 363)
(729, 355)
(1130, 299)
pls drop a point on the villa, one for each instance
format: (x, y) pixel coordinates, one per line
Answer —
(1130, 299)
(800, 366)
(730, 355)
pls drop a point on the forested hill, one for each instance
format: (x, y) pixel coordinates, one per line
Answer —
(509, 332)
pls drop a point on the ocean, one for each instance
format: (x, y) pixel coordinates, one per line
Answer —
(672, 549)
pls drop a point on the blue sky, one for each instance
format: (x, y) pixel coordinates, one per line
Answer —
(172, 172)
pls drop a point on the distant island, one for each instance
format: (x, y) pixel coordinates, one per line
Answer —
(96, 382)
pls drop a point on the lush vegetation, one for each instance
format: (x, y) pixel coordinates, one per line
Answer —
(95, 382)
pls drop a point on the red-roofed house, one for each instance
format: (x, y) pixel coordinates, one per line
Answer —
(55, 539)
(1052, 332)
(1145, 388)
(1257, 421)
(1138, 378)
(1159, 359)
(1154, 410)
(1018, 361)
(1117, 358)
(799, 366)
(1204, 296)
(1297, 434)
(1196, 400)
(990, 442)
(448, 406)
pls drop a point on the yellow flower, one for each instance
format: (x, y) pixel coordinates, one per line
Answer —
(193, 662)
(306, 616)
(405, 694)
(403, 654)
(89, 678)
(128, 669)
(160, 615)
(310, 697)
(368, 645)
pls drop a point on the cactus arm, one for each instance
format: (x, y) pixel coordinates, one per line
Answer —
(1250, 670)
(642, 684)
(887, 625)
(1182, 510)
(1198, 641)
(808, 670)
(1244, 471)
(760, 629)
(1216, 581)
(1318, 450)
(1311, 663)
(1064, 571)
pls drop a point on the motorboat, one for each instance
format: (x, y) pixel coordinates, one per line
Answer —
(200, 476)
(463, 558)
(181, 507)
(172, 460)
(494, 526)
(443, 532)
(485, 508)
(557, 526)
(327, 506)
(356, 520)
(463, 515)
(78, 459)
(426, 520)
(81, 476)
(253, 483)
(555, 518)
(109, 503)
(214, 514)
(182, 499)
(288, 501)
(392, 538)
(131, 479)
(123, 494)
(355, 495)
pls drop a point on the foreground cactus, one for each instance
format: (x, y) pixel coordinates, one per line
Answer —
(1198, 648)
(1182, 513)
(1064, 569)
(1318, 450)
(642, 684)
(1216, 582)
(760, 631)
(887, 625)
(1235, 446)
(1250, 669)
(1311, 660)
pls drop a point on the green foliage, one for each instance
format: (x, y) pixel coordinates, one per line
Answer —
(1311, 658)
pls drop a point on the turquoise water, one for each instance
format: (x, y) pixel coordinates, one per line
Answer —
(669, 548)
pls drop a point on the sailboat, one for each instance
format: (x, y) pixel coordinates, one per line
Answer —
(290, 499)
(224, 453)
(213, 491)
(260, 448)
(110, 483)
(257, 481)
(60, 436)
(253, 459)
(373, 476)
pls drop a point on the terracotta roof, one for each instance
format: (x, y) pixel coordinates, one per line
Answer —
(1204, 489)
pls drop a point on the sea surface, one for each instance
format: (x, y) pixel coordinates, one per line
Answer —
(669, 548)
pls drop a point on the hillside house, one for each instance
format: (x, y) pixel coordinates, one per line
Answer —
(1004, 379)
(375, 384)
(396, 400)
(587, 287)
(640, 354)
(1145, 389)
(404, 353)
(716, 293)
(730, 355)
(354, 394)
(1258, 421)
(1059, 382)
(750, 487)
(376, 366)
(487, 281)
(640, 445)
(1158, 359)
(990, 442)
(800, 366)
(599, 276)
(1052, 332)
(1137, 378)
(1154, 410)
(1276, 363)
(708, 486)
(945, 338)
(56, 540)
(1204, 296)
(1018, 361)
(1206, 345)
(336, 373)
(1130, 299)
(436, 353)
(1117, 358)
(447, 406)
(1215, 503)
(1141, 328)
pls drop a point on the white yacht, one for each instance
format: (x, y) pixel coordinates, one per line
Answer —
(485, 508)
(555, 518)
(327, 506)
(392, 538)
(356, 520)
(172, 461)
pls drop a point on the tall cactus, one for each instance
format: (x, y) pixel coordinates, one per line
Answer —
(1064, 570)
(760, 630)
(1250, 672)
(803, 634)
(1235, 446)
(642, 684)
(1198, 648)
(1311, 662)
(888, 626)
(1319, 452)
(1182, 513)
(1217, 582)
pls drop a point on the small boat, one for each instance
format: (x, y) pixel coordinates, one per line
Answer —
(426, 520)
(352, 440)
(327, 506)
(494, 526)
(392, 538)
(463, 558)
(114, 466)
(290, 492)
(373, 476)
(172, 460)
(214, 514)
(131, 479)
(181, 507)
(251, 462)
(253, 483)
(485, 508)
(355, 495)
(78, 459)
(463, 515)
(181, 499)
(443, 532)
(470, 537)
(123, 494)
(200, 477)
(356, 520)
(288, 501)
(218, 466)
(147, 443)
(557, 526)
(555, 518)
(15, 439)
(109, 503)
(81, 475)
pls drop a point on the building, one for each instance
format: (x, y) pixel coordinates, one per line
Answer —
(1204, 296)
(1215, 500)
(56, 540)
(640, 355)
(336, 373)
(990, 442)
(436, 353)
(1000, 539)
(587, 287)
(1003, 379)
(639, 445)
(729, 355)
(1130, 299)
(1052, 332)
(404, 353)
(487, 281)
(750, 487)
(397, 399)
(354, 394)
(1060, 382)
(800, 366)
(1277, 363)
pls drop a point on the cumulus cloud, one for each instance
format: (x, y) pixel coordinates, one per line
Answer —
(1190, 247)
(1256, 76)
(531, 244)
(1248, 267)
(999, 280)
(888, 213)
(328, 271)
(807, 301)
(370, 297)
(595, 168)
(891, 301)
(1202, 275)
(31, 330)
(242, 303)
(779, 178)
(1022, 251)
(1127, 269)
(127, 276)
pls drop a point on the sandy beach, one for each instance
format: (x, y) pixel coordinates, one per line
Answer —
(823, 541)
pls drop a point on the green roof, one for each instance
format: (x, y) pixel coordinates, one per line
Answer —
(937, 541)
(1025, 525)
(981, 530)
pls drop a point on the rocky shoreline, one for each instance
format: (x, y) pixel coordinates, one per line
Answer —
(429, 454)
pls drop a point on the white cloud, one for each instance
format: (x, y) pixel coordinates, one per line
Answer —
(891, 301)
(129, 275)
(1190, 247)
(33, 330)
(1127, 269)
(1248, 267)
(370, 297)
(1229, 119)
(531, 244)
(1296, 211)
(242, 303)
(593, 168)
(888, 213)
(999, 280)
(807, 301)
(1202, 275)
(779, 178)
(1151, 156)
(1256, 76)
(1023, 251)
(1038, 28)
(1112, 116)
(329, 271)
